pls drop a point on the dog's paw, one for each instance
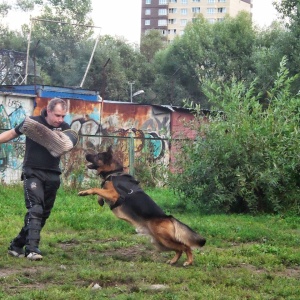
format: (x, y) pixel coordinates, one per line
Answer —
(83, 193)
(170, 262)
(101, 201)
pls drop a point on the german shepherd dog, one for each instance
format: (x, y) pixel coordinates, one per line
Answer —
(130, 203)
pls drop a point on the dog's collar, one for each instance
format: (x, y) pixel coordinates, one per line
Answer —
(106, 175)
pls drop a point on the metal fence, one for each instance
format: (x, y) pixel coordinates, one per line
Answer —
(137, 154)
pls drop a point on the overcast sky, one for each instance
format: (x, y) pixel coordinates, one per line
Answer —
(123, 18)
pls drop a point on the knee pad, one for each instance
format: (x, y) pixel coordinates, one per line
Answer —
(36, 212)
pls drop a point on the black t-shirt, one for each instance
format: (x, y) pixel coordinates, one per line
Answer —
(36, 155)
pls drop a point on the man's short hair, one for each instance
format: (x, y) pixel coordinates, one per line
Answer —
(53, 102)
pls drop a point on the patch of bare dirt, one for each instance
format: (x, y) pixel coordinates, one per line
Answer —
(7, 272)
(287, 272)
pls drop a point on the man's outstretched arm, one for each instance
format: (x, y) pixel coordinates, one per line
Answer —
(8, 135)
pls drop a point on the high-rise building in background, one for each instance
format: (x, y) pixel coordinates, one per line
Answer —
(171, 16)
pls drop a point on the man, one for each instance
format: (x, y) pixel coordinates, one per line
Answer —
(40, 174)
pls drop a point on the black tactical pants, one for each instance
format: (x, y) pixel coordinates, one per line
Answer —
(40, 188)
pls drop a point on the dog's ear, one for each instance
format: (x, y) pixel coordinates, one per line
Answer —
(109, 150)
(108, 155)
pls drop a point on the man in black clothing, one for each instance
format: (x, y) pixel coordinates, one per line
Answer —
(41, 178)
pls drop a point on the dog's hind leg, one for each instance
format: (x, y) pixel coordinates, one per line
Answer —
(175, 258)
(164, 234)
(189, 255)
(179, 249)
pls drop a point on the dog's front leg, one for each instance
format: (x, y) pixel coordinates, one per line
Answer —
(96, 191)
(108, 193)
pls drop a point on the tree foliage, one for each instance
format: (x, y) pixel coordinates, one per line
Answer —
(216, 51)
(290, 47)
(151, 43)
(168, 73)
(249, 158)
(59, 37)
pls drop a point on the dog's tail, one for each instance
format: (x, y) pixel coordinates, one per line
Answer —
(187, 235)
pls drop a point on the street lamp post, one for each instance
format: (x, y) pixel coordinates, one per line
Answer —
(136, 93)
(131, 84)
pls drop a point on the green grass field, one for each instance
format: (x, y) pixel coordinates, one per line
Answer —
(89, 254)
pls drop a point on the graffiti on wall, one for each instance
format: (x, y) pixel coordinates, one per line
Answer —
(147, 130)
(12, 111)
(96, 137)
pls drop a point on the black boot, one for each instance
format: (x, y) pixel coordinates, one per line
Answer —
(16, 245)
(32, 251)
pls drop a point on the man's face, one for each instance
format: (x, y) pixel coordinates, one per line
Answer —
(56, 117)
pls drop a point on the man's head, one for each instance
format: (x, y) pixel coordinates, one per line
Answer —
(56, 111)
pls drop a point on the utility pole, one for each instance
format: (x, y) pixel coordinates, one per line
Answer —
(131, 84)
(104, 77)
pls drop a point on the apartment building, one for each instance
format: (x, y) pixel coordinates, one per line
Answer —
(171, 16)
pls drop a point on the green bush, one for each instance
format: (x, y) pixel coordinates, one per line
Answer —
(248, 160)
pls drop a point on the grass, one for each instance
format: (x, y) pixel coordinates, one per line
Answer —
(85, 247)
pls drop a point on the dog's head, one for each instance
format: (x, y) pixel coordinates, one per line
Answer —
(103, 161)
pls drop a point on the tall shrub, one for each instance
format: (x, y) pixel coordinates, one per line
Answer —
(248, 160)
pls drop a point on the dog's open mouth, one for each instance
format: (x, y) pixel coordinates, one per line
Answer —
(92, 167)
(92, 162)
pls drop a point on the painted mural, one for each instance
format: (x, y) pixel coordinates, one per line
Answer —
(144, 128)
(13, 110)
(122, 126)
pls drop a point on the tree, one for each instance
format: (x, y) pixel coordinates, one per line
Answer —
(217, 51)
(60, 37)
(247, 160)
(288, 8)
(267, 54)
(151, 43)
(290, 11)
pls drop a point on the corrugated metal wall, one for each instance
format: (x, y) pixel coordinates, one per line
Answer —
(99, 124)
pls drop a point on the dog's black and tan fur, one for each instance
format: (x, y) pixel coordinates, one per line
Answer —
(130, 203)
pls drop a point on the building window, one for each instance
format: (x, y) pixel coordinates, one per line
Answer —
(148, 2)
(183, 22)
(196, 1)
(162, 22)
(211, 21)
(172, 21)
(163, 2)
(184, 1)
(183, 11)
(162, 12)
(148, 12)
(196, 10)
(172, 10)
(173, 1)
(147, 22)
(211, 10)
(211, 1)
(222, 10)
(172, 31)
(222, 1)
